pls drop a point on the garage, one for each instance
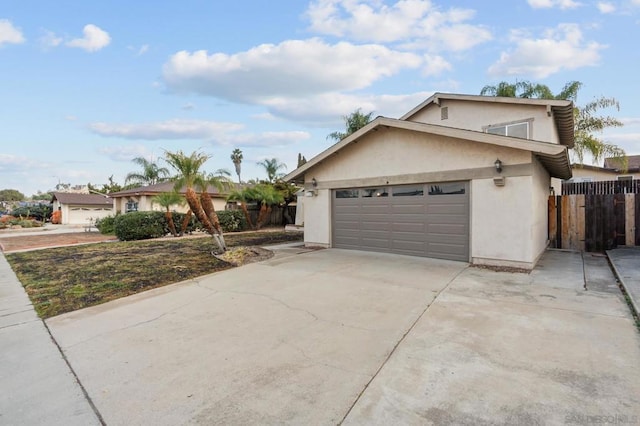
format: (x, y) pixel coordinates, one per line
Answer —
(427, 219)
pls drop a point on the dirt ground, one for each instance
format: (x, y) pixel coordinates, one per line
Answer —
(28, 242)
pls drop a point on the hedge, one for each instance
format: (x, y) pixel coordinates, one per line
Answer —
(153, 224)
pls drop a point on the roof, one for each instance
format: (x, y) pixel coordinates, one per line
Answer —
(553, 157)
(615, 163)
(159, 188)
(562, 110)
(82, 199)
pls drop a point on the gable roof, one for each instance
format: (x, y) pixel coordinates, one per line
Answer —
(553, 157)
(632, 165)
(159, 188)
(562, 110)
(82, 199)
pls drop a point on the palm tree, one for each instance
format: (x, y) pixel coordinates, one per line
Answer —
(243, 196)
(353, 122)
(273, 167)
(150, 175)
(586, 123)
(166, 200)
(267, 195)
(236, 157)
(189, 176)
(220, 180)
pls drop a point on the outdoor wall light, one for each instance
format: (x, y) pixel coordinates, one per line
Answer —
(314, 183)
(498, 165)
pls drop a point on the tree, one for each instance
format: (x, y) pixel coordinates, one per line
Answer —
(190, 176)
(150, 175)
(243, 196)
(301, 160)
(236, 157)
(220, 180)
(267, 195)
(272, 167)
(586, 123)
(42, 196)
(166, 200)
(11, 195)
(353, 122)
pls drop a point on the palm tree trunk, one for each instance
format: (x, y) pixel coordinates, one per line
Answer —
(263, 215)
(210, 211)
(185, 222)
(172, 225)
(247, 216)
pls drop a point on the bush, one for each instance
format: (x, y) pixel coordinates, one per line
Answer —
(39, 212)
(193, 225)
(106, 225)
(232, 220)
(139, 225)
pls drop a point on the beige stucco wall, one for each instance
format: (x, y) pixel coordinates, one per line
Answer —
(504, 227)
(477, 115)
(595, 175)
(146, 203)
(541, 183)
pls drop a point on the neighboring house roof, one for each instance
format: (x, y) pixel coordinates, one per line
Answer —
(562, 110)
(633, 164)
(81, 199)
(158, 189)
(553, 157)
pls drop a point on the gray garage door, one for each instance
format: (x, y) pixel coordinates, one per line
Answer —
(430, 219)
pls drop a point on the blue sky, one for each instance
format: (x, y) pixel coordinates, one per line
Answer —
(86, 86)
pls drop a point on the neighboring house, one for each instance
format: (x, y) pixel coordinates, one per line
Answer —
(612, 170)
(81, 209)
(141, 198)
(430, 183)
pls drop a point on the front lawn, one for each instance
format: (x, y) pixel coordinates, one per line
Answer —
(65, 279)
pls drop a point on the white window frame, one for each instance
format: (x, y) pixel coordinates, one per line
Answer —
(509, 124)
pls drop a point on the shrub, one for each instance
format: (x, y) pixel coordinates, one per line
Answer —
(193, 225)
(106, 225)
(139, 225)
(40, 212)
(232, 220)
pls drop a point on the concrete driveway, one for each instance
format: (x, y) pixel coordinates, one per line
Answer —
(335, 335)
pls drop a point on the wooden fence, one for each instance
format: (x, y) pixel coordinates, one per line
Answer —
(277, 216)
(595, 216)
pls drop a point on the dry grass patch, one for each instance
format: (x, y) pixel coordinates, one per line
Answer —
(65, 279)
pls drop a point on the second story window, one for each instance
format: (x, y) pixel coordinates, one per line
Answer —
(514, 130)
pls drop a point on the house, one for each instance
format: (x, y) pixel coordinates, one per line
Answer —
(81, 209)
(613, 170)
(458, 177)
(141, 198)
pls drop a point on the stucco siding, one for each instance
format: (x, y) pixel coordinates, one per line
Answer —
(540, 220)
(476, 115)
(399, 152)
(317, 219)
(501, 219)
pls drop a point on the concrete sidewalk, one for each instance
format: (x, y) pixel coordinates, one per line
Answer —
(38, 387)
(626, 264)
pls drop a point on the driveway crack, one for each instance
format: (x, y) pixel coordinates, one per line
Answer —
(395, 347)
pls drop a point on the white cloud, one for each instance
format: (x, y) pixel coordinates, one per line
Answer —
(435, 65)
(547, 4)
(50, 39)
(10, 34)
(606, 7)
(264, 139)
(93, 40)
(126, 153)
(294, 68)
(562, 48)
(139, 51)
(327, 109)
(417, 22)
(163, 130)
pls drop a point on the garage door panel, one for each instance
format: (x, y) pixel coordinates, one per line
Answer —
(434, 225)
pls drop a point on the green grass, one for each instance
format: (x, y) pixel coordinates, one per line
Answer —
(65, 279)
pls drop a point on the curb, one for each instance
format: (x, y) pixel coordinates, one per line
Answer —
(634, 303)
